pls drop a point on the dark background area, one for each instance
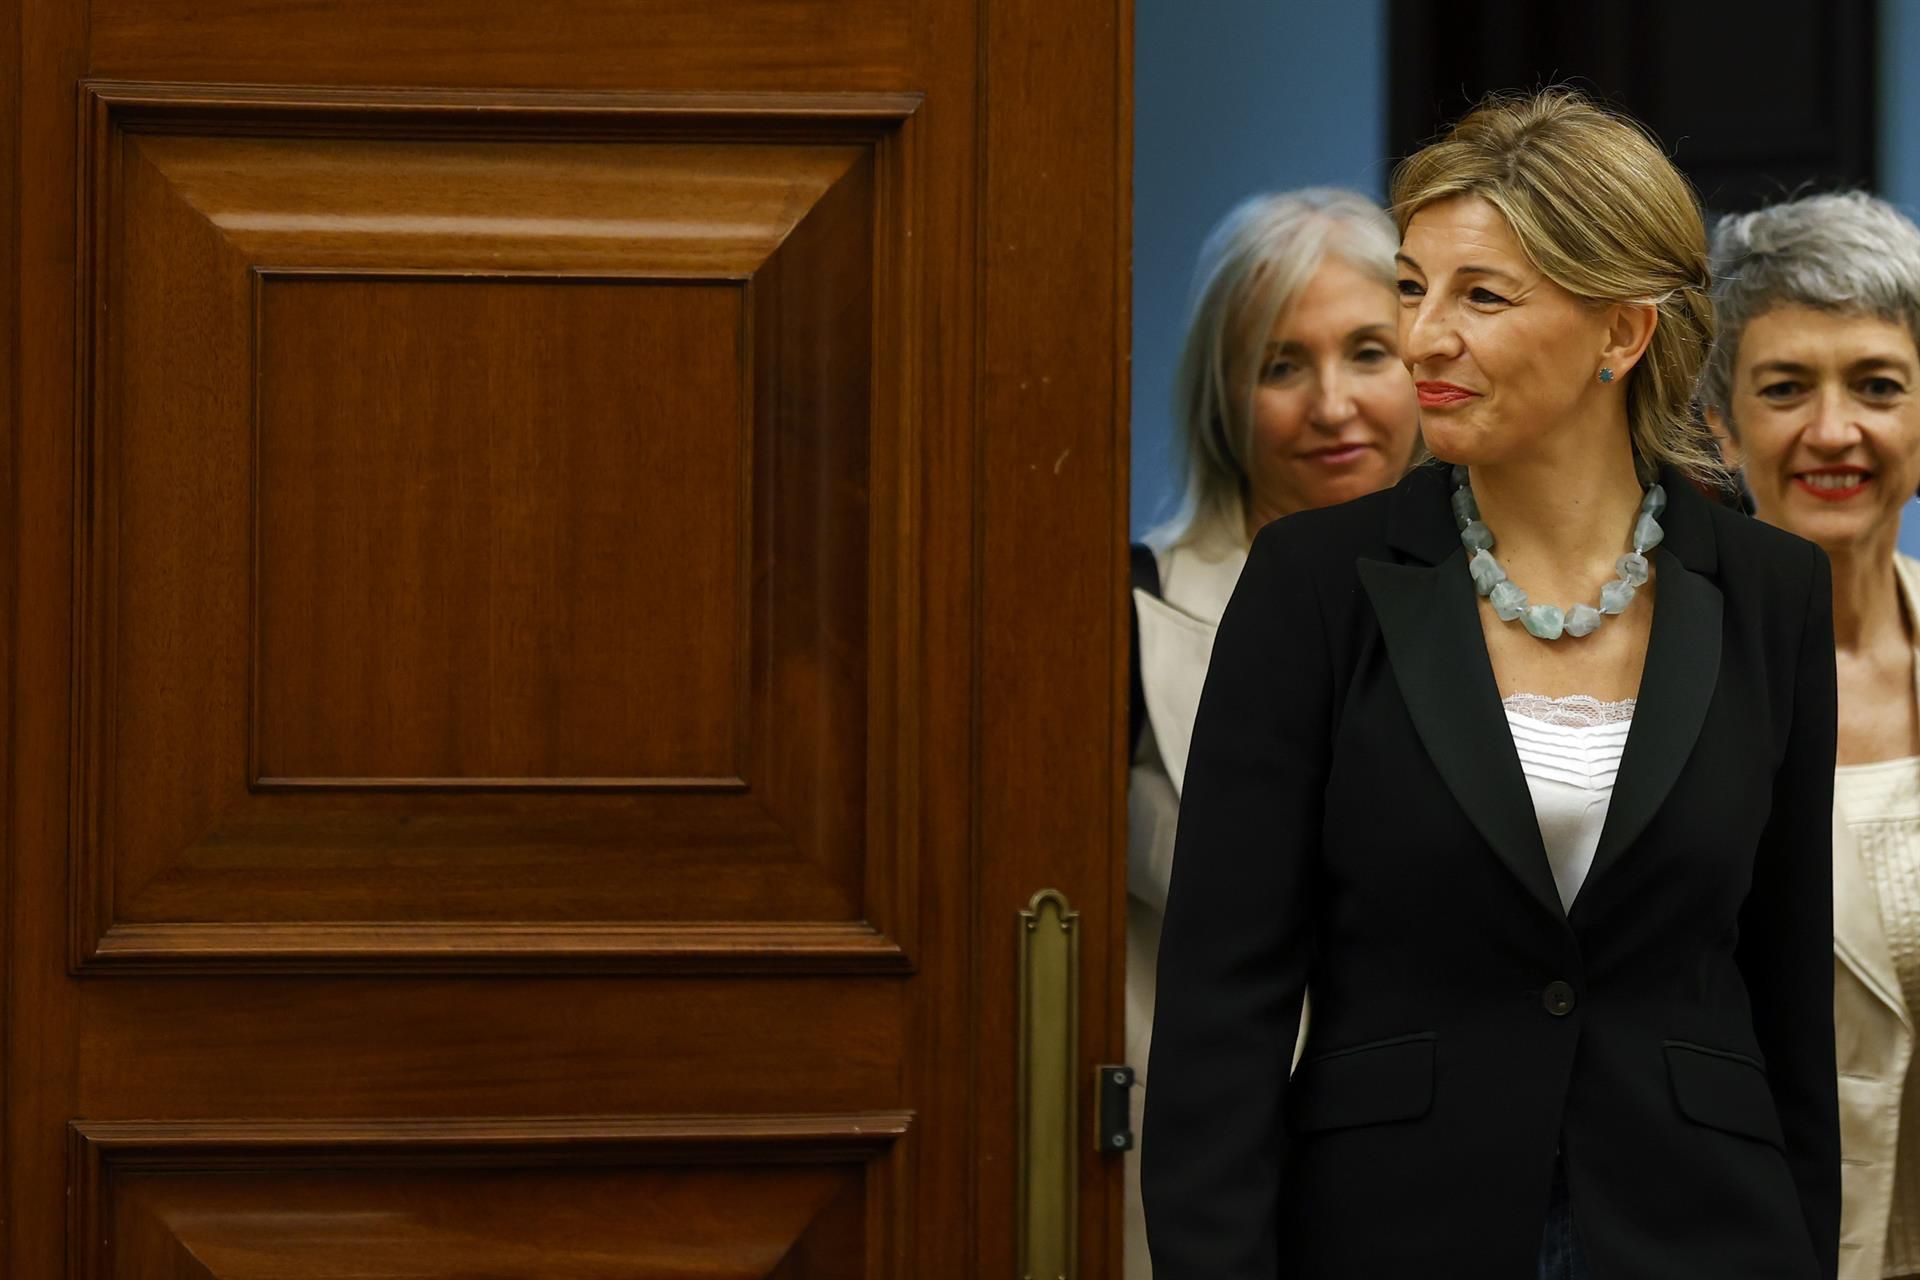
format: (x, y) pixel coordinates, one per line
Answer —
(1754, 99)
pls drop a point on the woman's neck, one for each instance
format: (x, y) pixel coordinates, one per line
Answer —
(1866, 595)
(1569, 511)
(1261, 514)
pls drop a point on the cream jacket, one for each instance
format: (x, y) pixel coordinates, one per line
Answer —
(1873, 1037)
(1176, 641)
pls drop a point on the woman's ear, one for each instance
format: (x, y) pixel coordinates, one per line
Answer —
(1729, 447)
(1630, 327)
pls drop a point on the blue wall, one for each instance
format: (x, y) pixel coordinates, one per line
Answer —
(1899, 144)
(1900, 104)
(1232, 97)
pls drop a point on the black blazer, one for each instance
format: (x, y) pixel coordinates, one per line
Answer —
(1354, 821)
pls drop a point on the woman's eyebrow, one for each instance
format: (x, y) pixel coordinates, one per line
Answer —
(1495, 272)
(1887, 361)
(1472, 269)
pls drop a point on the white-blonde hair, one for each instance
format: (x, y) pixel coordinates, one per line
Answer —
(1252, 269)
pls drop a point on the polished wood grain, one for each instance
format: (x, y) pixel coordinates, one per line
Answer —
(541, 468)
(412, 1047)
(538, 1225)
(672, 209)
(519, 565)
(578, 1199)
(848, 44)
(11, 399)
(255, 943)
(1054, 526)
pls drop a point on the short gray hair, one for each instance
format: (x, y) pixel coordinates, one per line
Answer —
(1846, 252)
(1253, 267)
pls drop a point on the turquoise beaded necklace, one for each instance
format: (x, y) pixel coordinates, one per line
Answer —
(1547, 621)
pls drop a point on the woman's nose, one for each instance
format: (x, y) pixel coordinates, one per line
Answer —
(1427, 335)
(1332, 400)
(1833, 426)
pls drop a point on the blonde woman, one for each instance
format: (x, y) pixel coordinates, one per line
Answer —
(1291, 395)
(1815, 379)
(1524, 768)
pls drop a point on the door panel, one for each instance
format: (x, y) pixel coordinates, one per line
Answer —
(570, 1202)
(494, 519)
(565, 591)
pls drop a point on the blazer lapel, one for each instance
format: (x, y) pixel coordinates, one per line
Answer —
(1859, 939)
(1175, 648)
(1430, 618)
(1677, 682)
(1676, 686)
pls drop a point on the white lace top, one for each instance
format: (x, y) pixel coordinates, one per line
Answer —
(1570, 751)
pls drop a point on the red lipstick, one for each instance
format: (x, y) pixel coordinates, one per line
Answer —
(1833, 484)
(1438, 395)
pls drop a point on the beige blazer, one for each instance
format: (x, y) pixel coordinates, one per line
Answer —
(1873, 1036)
(1176, 642)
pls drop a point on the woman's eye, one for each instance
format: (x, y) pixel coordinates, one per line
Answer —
(1485, 297)
(1780, 391)
(1411, 289)
(1278, 370)
(1372, 355)
(1881, 389)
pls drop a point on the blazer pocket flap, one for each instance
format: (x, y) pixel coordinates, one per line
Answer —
(1725, 1091)
(1375, 1083)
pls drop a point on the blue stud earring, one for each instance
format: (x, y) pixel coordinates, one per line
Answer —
(1606, 375)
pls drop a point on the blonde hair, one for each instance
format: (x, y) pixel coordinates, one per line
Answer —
(1253, 267)
(1599, 210)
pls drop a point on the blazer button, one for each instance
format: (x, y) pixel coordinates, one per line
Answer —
(1558, 998)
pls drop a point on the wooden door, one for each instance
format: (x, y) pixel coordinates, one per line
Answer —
(564, 593)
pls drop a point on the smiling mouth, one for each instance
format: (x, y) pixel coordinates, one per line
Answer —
(1835, 484)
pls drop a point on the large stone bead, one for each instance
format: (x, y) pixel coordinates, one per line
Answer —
(1655, 502)
(1477, 537)
(1633, 567)
(1508, 601)
(1647, 534)
(1465, 509)
(1544, 620)
(1616, 596)
(1583, 620)
(1486, 571)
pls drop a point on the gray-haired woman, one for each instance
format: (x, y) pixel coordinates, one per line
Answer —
(1291, 394)
(1814, 383)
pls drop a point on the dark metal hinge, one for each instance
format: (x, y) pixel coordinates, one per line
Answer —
(1116, 1122)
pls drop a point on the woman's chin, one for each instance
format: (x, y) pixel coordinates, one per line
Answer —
(1836, 530)
(1446, 443)
(1467, 437)
(1346, 488)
